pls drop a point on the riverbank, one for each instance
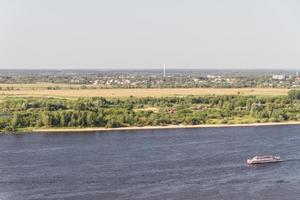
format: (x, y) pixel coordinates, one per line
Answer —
(101, 129)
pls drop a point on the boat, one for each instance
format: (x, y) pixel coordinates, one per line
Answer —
(264, 159)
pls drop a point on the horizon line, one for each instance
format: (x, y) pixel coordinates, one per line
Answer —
(151, 68)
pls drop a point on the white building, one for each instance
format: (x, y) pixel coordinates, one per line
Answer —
(279, 76)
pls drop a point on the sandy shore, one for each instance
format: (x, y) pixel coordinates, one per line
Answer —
(100, 129)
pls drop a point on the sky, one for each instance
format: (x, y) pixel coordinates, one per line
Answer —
(144, 34)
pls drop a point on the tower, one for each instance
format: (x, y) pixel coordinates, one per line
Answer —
(164, 70)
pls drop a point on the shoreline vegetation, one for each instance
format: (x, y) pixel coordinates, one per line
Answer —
(101, 129)
(21, 114)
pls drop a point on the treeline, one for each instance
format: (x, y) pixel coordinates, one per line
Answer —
(20, 113)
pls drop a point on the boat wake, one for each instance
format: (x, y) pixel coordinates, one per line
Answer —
(292, 160)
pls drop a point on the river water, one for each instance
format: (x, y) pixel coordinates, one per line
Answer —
(182, 164)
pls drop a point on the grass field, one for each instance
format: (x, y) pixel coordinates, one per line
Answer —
(41, 90)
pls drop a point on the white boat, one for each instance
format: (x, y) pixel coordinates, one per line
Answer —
(264, 159)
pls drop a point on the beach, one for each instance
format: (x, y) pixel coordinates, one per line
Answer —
(102, 129)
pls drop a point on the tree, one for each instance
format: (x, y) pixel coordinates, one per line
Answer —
(294, 94)
(91, 119)
(15, 120)
(46, 119)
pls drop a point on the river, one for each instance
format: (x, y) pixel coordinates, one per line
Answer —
(180, 164)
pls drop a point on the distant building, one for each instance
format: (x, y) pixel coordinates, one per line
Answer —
(96, 82)
(279, 76)
(213, 77)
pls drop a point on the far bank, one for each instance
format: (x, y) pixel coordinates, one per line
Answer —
(34, 113)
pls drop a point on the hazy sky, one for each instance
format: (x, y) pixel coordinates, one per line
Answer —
(148, 33)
